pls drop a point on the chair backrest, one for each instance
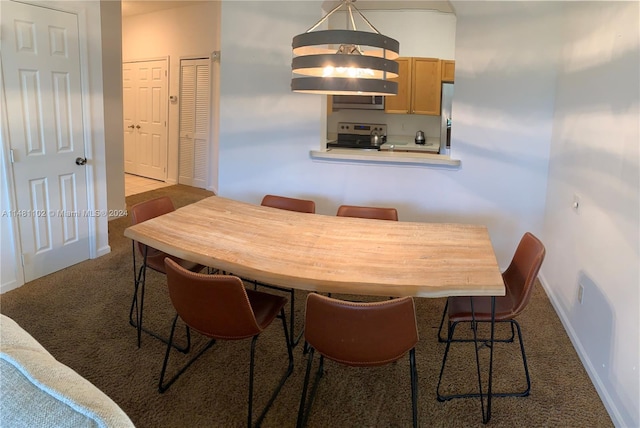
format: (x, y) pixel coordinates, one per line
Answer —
(378, 213)
(147, 210)
(360, 333)
(216, 306)
(520, 276)
(289, 204)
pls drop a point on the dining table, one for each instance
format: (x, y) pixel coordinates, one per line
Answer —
(331, 254)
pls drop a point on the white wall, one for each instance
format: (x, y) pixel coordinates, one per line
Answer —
(111, 20)
(595, 155)
(187, 31)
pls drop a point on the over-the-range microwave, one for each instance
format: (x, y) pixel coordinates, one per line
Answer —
(362, 102)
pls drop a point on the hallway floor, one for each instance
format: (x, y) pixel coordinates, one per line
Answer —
(134, 184)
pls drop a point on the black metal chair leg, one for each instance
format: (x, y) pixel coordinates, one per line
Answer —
(162, 387)
(301, 410)
(414, 386)
(314, 389)
(253, 353)
(284, 377)
(439, 396)
(524, 393)
(139, 278)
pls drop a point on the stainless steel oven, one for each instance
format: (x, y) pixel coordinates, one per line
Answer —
(368, 136)
(362, 102)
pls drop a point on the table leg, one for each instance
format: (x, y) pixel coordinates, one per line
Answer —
(486, 416)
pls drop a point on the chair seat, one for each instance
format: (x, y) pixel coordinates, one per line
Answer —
(265, 306)
(155, 260)
(460, 308)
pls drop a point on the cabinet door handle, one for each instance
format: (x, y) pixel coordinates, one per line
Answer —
(131, 126)
(137, 126)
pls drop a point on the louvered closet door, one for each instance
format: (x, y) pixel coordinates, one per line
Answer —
(195, 113)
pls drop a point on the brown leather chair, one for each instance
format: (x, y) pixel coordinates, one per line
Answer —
(360, 335)
(519, 280)
(289, 204)
(376, 213)
(219, 307)
(367, 212)
(151, 258)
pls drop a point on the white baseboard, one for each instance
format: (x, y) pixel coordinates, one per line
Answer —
(606, 398)
(11, 285)
(103, 251)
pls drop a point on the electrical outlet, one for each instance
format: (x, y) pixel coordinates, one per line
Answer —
(580, 293)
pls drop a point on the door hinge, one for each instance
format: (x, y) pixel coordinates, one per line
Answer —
(22, 259)
(216, 56)
(11, 159)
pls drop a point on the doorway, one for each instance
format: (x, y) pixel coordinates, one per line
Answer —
(154, 34)
(144, 85)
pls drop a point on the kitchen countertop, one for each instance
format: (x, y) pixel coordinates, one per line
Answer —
(407, 144)
(402, 143)
(391, 157)
(404, 151)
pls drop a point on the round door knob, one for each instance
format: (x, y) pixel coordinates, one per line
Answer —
(81, 161)
(137, 126)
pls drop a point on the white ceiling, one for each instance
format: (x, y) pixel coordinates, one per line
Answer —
(442, 5)
(138, 7)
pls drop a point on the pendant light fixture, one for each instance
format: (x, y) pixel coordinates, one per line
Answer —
(344, 62)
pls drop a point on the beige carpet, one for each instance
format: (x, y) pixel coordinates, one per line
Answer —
(80, 315)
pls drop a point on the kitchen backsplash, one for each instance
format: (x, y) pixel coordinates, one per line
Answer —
(397, 124)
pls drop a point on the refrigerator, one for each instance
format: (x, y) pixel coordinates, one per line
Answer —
(445, 118)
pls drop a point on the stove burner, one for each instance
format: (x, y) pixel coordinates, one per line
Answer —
(358, 136)
(349, 143)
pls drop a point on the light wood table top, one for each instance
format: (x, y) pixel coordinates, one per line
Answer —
(328, 253)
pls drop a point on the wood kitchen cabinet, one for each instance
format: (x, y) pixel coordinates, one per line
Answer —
(401, 103)
(448, 70)
(419, 86)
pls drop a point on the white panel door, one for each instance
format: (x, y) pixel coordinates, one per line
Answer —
(40, 56)
(129, 72)
(145, 125)
(195, 114)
